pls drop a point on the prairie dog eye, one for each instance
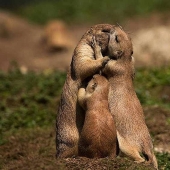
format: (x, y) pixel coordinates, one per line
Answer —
(116, 39)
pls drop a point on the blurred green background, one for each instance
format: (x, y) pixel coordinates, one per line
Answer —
(84, 11)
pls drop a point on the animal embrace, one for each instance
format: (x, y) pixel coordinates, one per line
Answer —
(99, 112)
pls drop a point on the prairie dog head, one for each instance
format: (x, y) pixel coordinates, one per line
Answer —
(114, 42)
(97, 89)
(97, 85)
(101, 33)
(120, 45)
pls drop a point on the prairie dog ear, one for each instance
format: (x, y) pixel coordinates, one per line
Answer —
(119, 26)
(91, 87)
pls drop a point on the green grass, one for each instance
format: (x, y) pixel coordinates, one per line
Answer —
(87, 11)
(163, 161)
(30, 100)
(149, 84)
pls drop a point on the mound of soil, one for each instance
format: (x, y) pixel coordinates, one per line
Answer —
(35, 149)
(102, 164)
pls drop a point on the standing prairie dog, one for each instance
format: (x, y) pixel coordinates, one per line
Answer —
(70, 117)
(132, 132)
(98, 136)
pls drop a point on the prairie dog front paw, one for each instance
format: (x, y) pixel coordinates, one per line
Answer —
(96, 48)
(105, 60)
(109, 64)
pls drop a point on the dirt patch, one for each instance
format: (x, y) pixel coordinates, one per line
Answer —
(151, 46)
(165, 94)
(35, 149)
(151, 39)
(30, 149)
(148, 21)
(23, 42)
(101, 164)
(158, 122)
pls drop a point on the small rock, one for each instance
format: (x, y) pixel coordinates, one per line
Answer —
(151, 46)
(56, 36)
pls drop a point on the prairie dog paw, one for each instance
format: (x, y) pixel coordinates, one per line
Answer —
(105, 60)
(95, 45)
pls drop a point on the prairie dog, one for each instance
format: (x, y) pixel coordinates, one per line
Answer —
(98, 136)
(70, 117)
(132, 132)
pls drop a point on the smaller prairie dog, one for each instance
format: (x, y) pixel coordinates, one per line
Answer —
(98, 136)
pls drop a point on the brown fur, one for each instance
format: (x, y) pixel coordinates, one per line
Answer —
(70, 116)
(98, 136)
(132, 132)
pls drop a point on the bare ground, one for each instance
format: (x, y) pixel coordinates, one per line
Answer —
(35, 149)
(22, 42)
